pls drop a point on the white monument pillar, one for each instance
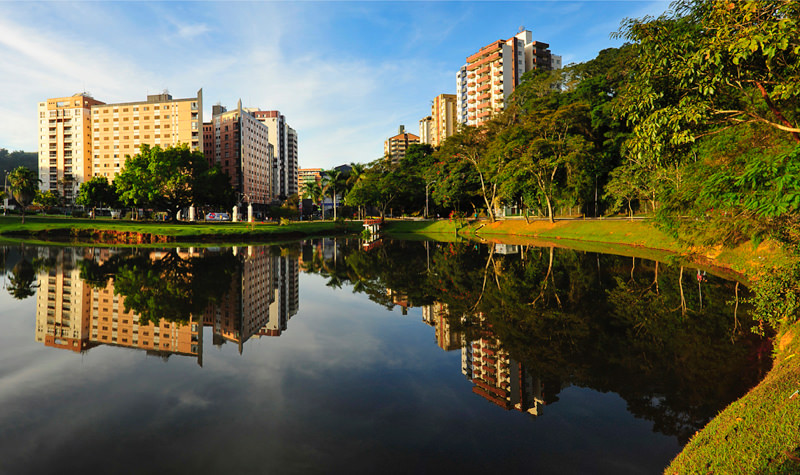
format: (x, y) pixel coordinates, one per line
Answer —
(249, 212)
(235, 214)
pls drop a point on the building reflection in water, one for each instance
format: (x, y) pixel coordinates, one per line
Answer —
(495, 375)
(74, 315)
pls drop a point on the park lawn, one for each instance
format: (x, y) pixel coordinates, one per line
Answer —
(42, 227)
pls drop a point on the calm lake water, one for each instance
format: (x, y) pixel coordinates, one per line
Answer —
(354, 357)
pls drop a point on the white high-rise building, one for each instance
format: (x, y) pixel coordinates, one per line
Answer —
(284, 139)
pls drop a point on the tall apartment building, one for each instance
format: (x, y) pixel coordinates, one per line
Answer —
(426, 129)
(462, 115)
(241, 147)
(292, 160)
(444, 116)
(490, 75)
(119, 129)
(395, 147)
(65, 143)
(284, 163)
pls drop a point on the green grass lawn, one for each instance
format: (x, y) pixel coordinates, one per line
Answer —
(61, 228)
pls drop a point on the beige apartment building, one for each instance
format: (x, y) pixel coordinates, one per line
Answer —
(395, 147)
(119, 129)
(443, 113)
(65, 143)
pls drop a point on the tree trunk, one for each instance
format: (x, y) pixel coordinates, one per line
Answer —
(549, 209)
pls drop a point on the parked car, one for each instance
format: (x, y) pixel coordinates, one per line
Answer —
(218, 217)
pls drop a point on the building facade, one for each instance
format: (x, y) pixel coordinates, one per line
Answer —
(308, 175)
(444, 114)
(284, 141)
(65, 143)
(394, 148)
(241, 147)
(489, 77)
(119, 129)
(426, 129)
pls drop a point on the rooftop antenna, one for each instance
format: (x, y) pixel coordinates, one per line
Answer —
(521, 28)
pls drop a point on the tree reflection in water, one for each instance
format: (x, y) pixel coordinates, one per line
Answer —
(672, 348)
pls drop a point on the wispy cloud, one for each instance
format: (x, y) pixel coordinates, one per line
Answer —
(345, 74)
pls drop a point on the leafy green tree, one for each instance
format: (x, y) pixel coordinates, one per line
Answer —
(211, 186)
(707, 65)
(46, 199)
(170, 179)
(470, 146)
(96, 193)
(381, 185)
(544, 151)
(23, 183)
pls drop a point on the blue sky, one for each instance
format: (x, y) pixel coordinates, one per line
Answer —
(345, 74)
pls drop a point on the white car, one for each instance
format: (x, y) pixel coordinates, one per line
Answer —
(218, 217)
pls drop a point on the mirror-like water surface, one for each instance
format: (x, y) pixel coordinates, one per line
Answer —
(333, 357)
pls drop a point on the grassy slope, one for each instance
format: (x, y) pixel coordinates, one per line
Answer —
(760, 432)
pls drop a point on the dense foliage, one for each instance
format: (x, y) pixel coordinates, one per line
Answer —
(171, 179)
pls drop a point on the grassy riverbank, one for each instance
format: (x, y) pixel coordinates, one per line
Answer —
(77, 230)
(760, 432)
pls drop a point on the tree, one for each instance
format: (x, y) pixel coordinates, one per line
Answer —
(169, 179)
(543, 150)
(211, 186)
(469, 145)
(96, 193)
(381, 184)
(46, 199)
(314, 191)
(24, 183)
(707, 65)
(356, 172)
(332, 180)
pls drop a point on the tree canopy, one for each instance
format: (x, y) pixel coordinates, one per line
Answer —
(171, 179)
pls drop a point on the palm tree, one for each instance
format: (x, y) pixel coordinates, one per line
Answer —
(313, 190)
(356, 172)
(332, 180)
(23, 183)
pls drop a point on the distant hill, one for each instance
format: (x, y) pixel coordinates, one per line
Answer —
(11, 160)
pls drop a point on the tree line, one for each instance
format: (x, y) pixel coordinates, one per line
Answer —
(167, 179)
(694, 121)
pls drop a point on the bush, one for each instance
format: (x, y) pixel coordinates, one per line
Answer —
(776, 298)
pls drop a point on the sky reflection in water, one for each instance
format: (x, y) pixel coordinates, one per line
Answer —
(347, 386)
